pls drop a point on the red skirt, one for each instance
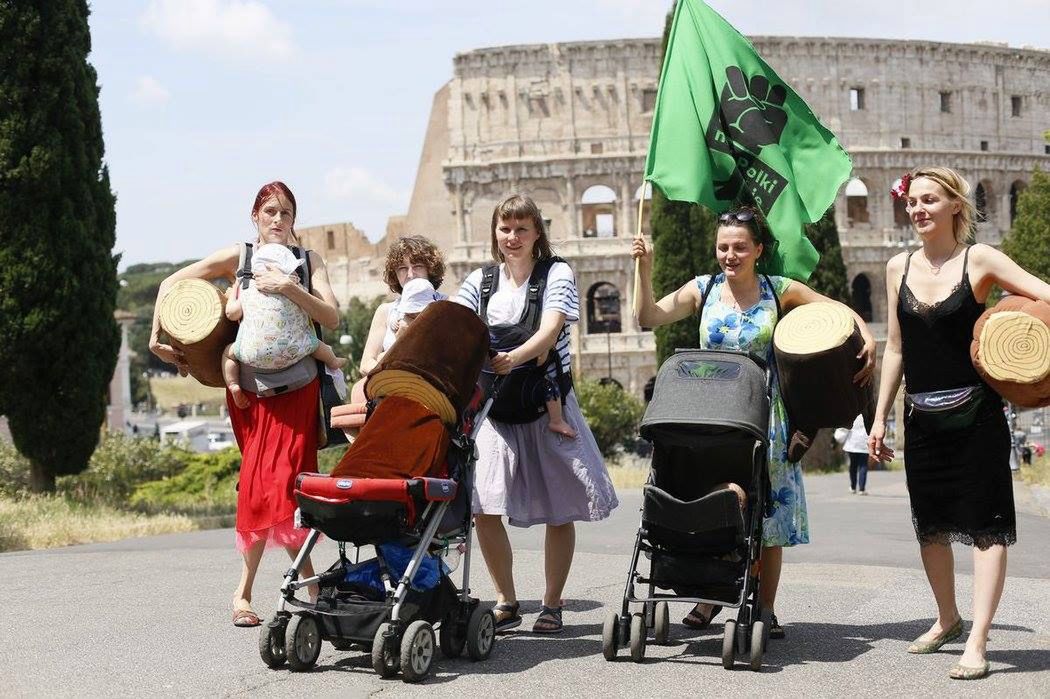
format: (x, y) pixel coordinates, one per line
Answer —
(278, 441)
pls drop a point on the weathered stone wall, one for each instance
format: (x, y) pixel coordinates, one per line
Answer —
(555, 120)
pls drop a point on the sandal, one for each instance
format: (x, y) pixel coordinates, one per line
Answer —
(965, 672)
(695, 620)
(549, 621)
(776, 631)
(245, 618)
(507, 616)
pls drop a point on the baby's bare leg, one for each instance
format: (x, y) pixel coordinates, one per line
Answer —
(556, 422)
(231, 374)
(326, 354)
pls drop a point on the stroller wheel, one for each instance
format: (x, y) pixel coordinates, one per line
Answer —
(638, 634)
(758, 635)
(417, 650)
(386, 660)
(611, 636)
(451, 636)
(302, 642)
(729, 644)
(661, 623)
(271, 644)
(481, 633)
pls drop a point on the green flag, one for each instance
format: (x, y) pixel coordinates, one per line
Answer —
(727, 130)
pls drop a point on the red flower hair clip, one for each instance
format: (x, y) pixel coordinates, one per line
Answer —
(901, 190)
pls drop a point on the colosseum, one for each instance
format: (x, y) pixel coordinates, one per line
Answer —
(569, 125)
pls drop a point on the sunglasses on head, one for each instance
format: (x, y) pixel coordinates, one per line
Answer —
(737, 216)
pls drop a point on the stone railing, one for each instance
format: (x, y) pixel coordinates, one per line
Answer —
(616, 343)
(546, 148)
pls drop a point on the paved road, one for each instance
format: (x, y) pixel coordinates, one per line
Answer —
(150, 617)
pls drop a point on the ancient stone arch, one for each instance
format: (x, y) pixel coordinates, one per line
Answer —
(598, 204)
(603, 308)
(857, 212)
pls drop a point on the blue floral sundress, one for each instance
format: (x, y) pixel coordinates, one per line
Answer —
(724, 327)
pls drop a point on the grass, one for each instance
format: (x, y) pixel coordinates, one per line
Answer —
(49, 521)
(170, 392)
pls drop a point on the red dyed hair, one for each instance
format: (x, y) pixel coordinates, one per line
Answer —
(273, 189)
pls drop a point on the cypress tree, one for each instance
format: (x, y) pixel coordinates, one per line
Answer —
(58, 279)
(1028, 242)
(683, 246)
(829, 277)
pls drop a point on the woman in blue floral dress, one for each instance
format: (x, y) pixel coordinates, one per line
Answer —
(739, 314)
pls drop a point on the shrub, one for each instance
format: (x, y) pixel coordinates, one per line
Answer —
(612, 414)
(207, 484)
(119, 464)
(14, 471)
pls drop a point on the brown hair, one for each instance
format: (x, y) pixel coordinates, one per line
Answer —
(519, 206)
(417, 249)
(958, 189)
(756, 227)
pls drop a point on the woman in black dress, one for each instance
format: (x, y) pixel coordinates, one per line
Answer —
(958, 469)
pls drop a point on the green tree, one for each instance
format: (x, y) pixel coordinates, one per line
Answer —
(1028, 242)
(58, 280)
(356, 322)
(829, 278)
(612, 413)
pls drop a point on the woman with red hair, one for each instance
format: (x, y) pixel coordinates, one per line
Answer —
(277, 435)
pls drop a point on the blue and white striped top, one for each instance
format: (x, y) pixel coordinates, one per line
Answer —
(508, 303)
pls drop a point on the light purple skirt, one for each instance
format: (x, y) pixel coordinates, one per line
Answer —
(534, 476)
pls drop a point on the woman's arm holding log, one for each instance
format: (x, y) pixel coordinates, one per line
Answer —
(990, 266)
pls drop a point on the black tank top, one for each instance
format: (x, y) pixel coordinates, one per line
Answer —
(935, 339)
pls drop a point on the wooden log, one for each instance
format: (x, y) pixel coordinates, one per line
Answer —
(193, 315)
(1011, 350)
(816, 347)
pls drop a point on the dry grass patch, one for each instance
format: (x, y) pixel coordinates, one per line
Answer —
(170, 392)
(42, 522)
(1038, 473)
(627, 477)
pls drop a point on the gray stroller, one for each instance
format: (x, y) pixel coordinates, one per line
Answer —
(708, 422)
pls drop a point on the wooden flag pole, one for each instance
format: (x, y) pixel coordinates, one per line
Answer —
(638, 262)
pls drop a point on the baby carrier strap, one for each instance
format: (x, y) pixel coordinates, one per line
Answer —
(306, 275)
(537, 285)
(711, 283)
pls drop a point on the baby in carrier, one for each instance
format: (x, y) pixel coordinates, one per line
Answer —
(416, 295)
(274, 332)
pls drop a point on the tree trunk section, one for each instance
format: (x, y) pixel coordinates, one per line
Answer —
(41, 480)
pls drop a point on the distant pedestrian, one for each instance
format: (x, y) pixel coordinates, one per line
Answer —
(854, 442)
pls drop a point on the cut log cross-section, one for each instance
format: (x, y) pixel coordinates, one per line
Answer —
(1011, 350)
(193, 315)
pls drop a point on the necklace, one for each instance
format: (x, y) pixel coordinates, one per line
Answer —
(936, 269)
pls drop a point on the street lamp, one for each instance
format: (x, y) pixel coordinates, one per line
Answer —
(607, 312)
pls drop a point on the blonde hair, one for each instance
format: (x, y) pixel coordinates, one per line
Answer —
(958, 189)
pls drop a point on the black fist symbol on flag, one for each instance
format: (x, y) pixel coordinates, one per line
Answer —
(753, 114)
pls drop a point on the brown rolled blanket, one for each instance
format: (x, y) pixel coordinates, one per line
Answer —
(402, 439)
(816, 347)
(1011, 350)
(193, 315)
(436, 361)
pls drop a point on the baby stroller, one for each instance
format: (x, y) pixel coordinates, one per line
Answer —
(391, 616)
(708, 422)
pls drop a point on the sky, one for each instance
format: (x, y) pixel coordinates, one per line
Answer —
(203, 101)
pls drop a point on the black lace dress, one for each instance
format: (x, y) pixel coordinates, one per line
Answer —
(959, 481)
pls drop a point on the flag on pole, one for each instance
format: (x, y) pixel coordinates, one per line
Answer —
(727, 130)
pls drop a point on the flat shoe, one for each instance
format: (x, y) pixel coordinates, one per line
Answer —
(965, 672)
(245, 618)
(704, 622)
(934, 645)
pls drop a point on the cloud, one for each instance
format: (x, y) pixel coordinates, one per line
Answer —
(241, 29)
(150, 93)
(361, 188)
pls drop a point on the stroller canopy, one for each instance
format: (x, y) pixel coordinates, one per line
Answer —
(709, 392)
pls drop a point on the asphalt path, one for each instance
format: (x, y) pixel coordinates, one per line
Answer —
(150, 617)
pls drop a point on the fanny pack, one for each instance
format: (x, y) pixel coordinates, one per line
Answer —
(948, 410)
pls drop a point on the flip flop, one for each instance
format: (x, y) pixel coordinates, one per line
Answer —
(704, 622)
(507, 616)
(245, 618)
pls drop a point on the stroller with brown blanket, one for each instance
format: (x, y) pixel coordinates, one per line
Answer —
(404, 490)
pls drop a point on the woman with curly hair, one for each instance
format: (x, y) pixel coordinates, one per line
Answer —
(410, 257)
